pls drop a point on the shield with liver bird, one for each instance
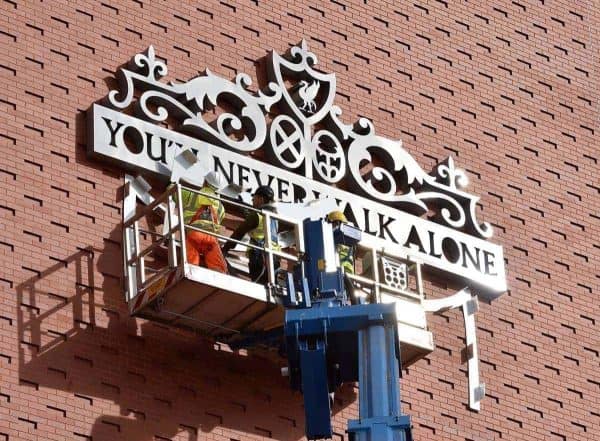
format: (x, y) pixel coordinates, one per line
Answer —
(308, 94)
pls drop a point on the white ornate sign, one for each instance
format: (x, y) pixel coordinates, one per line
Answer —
(311, 153)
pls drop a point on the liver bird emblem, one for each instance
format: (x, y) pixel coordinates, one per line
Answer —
(308, 93)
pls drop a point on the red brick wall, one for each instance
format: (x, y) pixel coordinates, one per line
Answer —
(509, 88)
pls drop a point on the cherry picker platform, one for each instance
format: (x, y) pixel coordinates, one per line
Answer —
(162, 286)
(335, 326)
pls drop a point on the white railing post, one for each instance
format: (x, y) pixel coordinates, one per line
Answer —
(419, 277)
(181, 226)
(129, 202)
(129, 273)
(171, 240)
(300, 237)
(139, 260)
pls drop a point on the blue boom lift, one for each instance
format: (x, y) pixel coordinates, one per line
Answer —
(331, 336)
(329, 341)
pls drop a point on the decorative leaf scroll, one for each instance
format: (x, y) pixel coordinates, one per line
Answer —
(453, 177)
(306, 137)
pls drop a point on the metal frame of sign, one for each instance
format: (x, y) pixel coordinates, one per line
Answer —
(311, 154)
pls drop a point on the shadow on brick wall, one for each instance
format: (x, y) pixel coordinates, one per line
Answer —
(145, 380)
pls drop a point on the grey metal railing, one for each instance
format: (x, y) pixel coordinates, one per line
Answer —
(173, 236)
(174, 232)
(372, 266)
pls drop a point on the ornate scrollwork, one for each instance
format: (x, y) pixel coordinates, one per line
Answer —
(449, 208)
(146, 68)
(455, 177)
(287, 142)
(187, 103)
(302, 55)
(307, 137)
(204, 91)
(155, 68)
(394, 159)
(329, 159)
(160, 112)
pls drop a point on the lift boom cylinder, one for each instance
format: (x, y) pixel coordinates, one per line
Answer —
(379, 398)
(329, 342)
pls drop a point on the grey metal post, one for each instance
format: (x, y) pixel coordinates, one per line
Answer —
(375, 267)
(268, 248)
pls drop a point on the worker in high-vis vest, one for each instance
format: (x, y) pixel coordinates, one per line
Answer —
(254, 226)
(346, 258)
(345, 252)
(205, 213)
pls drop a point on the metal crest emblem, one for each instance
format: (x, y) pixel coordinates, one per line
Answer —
(303, 133)
(312, 96)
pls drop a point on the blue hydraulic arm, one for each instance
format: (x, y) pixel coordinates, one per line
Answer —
(329, 341)
(380, 417)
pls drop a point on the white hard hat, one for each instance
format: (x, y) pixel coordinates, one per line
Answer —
(215, 179)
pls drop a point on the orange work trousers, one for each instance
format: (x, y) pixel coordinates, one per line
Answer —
(204, 250)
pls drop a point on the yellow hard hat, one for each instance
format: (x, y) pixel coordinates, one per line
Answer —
(337, 216)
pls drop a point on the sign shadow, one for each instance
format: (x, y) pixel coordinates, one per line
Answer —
(151, 381)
